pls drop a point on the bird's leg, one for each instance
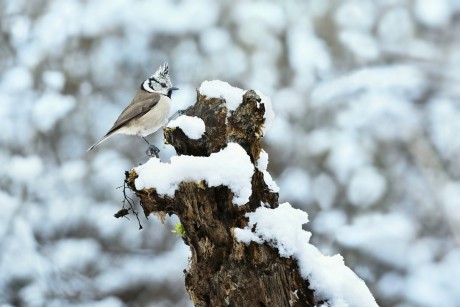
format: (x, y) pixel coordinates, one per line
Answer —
(176, 115)
(144, 139)
(152, 150)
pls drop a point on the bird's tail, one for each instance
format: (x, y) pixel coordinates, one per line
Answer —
(105, 137)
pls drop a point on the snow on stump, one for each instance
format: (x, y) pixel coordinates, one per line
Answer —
(247, 249)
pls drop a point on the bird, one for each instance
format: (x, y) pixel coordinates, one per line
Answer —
(148, 110)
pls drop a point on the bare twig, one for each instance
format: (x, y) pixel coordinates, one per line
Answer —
(126, 199)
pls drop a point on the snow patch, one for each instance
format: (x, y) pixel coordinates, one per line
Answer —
(271, 184)
(192, 126)
(328, 276)
(234, 165)
(219, 89)
(262, 162)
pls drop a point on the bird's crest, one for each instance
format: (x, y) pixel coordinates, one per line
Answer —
(159, 81)
(163, 70)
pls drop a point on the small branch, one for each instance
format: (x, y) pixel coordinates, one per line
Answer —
(126, 199)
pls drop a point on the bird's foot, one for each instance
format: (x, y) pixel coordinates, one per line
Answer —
(152, 151)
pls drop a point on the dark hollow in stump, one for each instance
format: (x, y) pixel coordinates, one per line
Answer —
(223, 271)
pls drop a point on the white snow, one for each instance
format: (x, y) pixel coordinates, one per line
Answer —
(214, 40)
(383, 236)
(262, 164)
(450, 199)
(395, 26)
(20, 30)
(25, 169)
(366, 187)
(20, 242)
(231, 167)
(73, 253)
(271, 184)
(54, 79)
(386, 116)
(302, 40)
(219, 89)
(362, 45)
(328, 276)
(73, 170)
(431, 284)
(401, 79)
(434, 14)
(295, 185)
(51, 108)
(324, 191)
(16, 79)
(355, 15)
(263, 13)
(444, 125)
(159, 268)
(347, 155)
(320, 140)
(328, 221)
(289, 103)
(192, 126)
(10, 206)
(391, 284)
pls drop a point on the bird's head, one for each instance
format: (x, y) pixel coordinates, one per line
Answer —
(159, 82)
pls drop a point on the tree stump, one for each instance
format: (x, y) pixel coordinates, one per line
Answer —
(223, 271)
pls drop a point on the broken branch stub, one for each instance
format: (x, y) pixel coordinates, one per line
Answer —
(243, 126)
(222, 270)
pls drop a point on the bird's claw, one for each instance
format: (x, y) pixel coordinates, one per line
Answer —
(152, 151)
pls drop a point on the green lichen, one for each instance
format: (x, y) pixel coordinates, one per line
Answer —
(179, 230)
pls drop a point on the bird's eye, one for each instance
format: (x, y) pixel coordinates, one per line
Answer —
(163, 84)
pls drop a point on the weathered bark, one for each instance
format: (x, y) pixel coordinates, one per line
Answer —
(223, 271)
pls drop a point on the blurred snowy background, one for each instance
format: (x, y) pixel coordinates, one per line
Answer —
(366, 138)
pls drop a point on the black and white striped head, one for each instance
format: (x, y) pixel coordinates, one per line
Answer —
(159, 81)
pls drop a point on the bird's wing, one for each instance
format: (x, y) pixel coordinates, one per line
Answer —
(140, 105)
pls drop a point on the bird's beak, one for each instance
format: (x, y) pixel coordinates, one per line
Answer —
(171, 89)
